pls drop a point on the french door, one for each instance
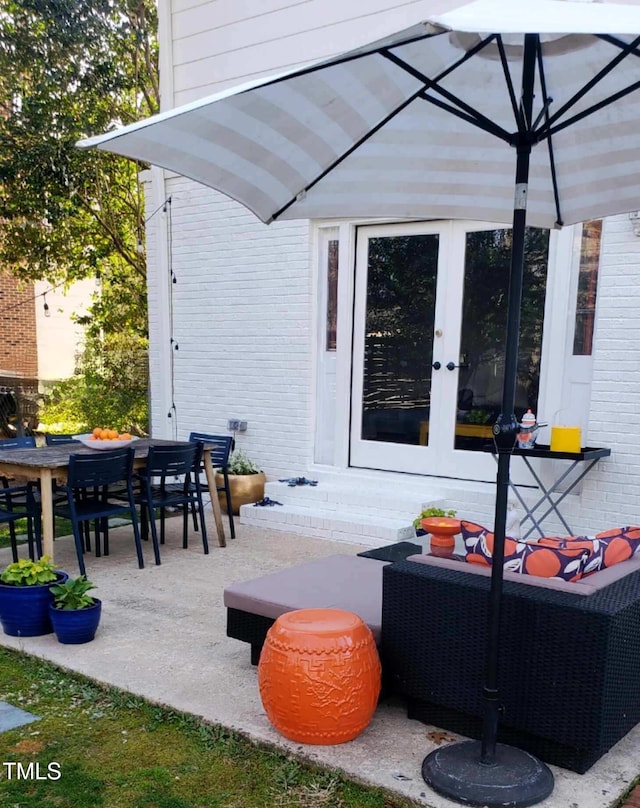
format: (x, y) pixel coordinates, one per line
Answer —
(429, 341)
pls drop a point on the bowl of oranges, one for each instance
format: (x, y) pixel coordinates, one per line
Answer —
(101, 438)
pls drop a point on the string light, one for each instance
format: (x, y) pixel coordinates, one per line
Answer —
(30, 299)
(164, 207)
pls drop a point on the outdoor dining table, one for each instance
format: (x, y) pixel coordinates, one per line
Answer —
(51, 463)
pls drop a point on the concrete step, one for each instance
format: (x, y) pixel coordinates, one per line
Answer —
(359, 496)
(337, 524)
(352, 506)
(364, 506)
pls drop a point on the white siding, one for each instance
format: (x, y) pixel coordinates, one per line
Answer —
(226, 42)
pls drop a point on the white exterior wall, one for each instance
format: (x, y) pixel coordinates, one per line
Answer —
(244, 304)
(242, 319)
(227, 42)
(59, 337)
(613, 495)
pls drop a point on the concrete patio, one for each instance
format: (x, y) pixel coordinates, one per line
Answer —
(163, 637)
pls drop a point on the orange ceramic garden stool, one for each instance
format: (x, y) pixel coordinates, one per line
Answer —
(319, 675)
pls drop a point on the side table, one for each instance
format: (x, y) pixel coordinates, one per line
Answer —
(393, 552)
(551, 497)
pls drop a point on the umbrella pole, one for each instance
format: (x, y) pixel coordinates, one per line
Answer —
(487, 773)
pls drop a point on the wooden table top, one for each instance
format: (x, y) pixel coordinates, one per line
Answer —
(57, 456)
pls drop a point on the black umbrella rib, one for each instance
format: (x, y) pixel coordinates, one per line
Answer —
(548, 132)
(487, 126)
(349, 151)
(510, 88)
(618, 43)
(545, 112)
(549, 126)
(459, 107)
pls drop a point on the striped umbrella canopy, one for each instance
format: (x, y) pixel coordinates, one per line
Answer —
(424, 123)
(518, 112)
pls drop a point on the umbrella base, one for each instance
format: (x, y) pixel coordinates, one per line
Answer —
(516, 779)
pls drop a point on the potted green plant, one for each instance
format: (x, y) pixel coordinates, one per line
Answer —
(429, 513)
(246, 482)
(441, 526)
(75, 615)
(25, 596)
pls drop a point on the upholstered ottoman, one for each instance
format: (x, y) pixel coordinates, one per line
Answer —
(344, 582)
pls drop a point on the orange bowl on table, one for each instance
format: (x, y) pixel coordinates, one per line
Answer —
(105, 439)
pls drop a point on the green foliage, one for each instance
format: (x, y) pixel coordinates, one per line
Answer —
(110, 388)
(25, 572)
(478, 417)
(70, 68)
(72, 594)
(239, 463)
(428, 513)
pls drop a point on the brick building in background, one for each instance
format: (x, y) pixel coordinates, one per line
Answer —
(39, 342)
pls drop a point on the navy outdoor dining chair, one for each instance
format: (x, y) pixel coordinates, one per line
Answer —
(21, 500)
(57, 439)
(52, 439)
(222, 446)
(159, 490)
(87, 490)
(9, 515)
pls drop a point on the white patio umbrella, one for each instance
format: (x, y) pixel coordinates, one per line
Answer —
(504, 112)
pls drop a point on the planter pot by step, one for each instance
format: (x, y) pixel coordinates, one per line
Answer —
(442, 530)
(75, 626)
(24, 610)
(245, 488)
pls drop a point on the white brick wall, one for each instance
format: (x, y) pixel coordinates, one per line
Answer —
(242, 318)
(611, 496)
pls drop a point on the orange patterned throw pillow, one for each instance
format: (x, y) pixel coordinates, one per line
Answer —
(605, 549)
(566, 563)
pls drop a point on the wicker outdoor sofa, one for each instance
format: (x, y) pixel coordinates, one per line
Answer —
(569, 662)
(569, 676)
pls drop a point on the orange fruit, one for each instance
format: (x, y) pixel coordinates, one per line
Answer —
(125, 436)
(96, 432)
(104, 434)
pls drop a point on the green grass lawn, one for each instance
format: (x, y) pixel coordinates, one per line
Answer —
(115, 750)
(62, 528)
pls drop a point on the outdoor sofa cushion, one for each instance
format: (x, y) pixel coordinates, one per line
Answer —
(564, 562)
(588, 585)
(605, 549)
(344, 582)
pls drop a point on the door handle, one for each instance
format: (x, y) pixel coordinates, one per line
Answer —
(436, 365)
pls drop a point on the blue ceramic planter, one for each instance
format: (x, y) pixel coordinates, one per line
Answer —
(24, 610)
(75, 626)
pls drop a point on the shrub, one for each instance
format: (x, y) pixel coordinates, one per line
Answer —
(110, 386)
